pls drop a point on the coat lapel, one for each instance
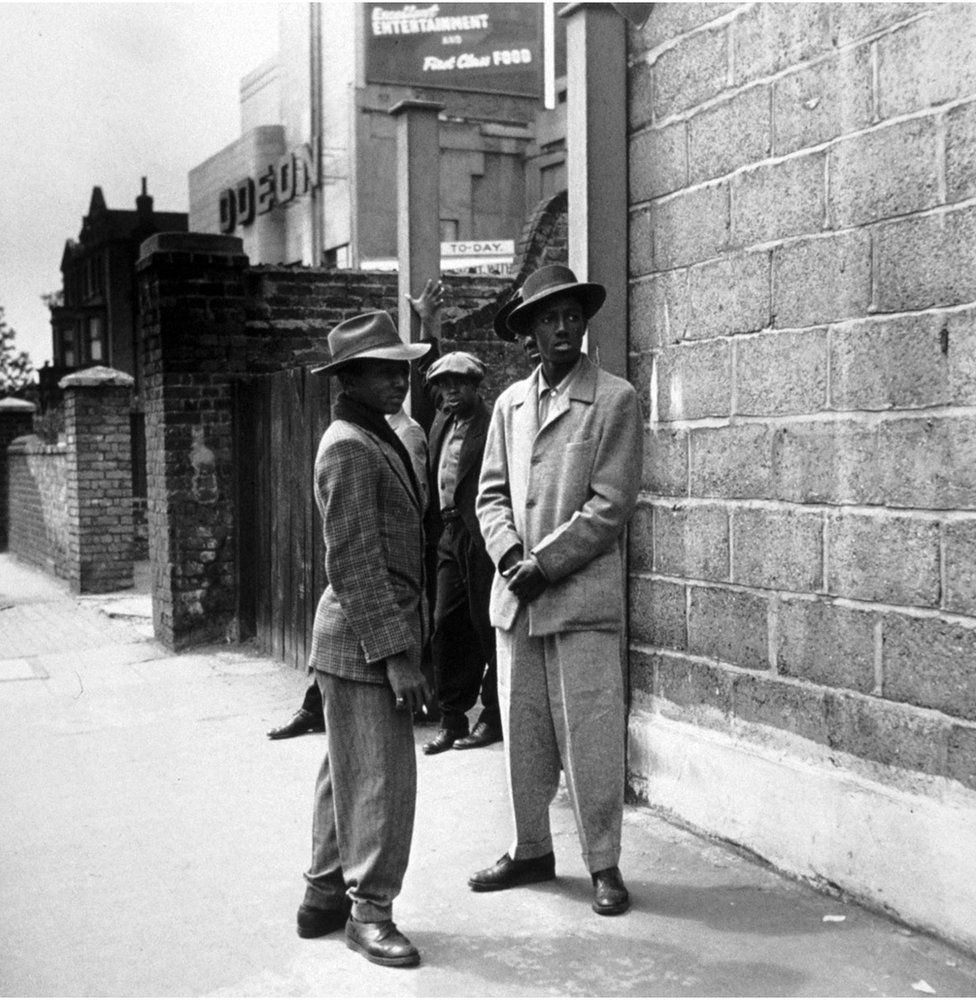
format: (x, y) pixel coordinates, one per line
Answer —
(474, 440)
(582, 389)
(393, 460)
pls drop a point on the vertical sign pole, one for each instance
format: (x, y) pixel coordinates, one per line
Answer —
(596, 168)
(418, 222)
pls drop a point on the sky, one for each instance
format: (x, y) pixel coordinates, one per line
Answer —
(105, 94)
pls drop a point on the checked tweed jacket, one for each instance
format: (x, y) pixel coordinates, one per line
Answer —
(374, 605)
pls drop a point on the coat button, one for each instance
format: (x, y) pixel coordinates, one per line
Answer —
(529, 504)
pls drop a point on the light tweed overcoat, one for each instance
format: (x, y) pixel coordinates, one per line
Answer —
(564, 492)
(374, 605)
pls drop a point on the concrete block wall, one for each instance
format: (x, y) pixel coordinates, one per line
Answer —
(802, 329)
(38, 503)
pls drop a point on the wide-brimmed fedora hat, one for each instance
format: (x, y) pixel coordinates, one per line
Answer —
(548, 282)
(500, 322)
(371, 335)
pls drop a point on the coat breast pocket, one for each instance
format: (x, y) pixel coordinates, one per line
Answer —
(577, 464)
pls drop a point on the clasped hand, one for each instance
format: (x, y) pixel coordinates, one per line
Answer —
(526, 580)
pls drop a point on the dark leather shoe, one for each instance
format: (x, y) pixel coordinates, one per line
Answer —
(444, 740)
(302, 722)
(610, 895)
(506, 873)
(381, 943)
(315, 922)
(482, 735)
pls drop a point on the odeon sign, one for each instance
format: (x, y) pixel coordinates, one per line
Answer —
(294, 174)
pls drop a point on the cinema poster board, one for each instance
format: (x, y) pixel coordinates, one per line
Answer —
(489, 48)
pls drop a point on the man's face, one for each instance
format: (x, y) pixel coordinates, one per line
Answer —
(380, 385)
(457, 395)
(558, 327)
(529, 347)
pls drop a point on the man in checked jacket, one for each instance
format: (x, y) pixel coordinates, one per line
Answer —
(366, 647)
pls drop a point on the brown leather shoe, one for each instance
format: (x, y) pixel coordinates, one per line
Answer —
(507, 874)
(444, 740)
(482, 735)
(315, 922)
(380, 943)
(302, 722)
(610, 895)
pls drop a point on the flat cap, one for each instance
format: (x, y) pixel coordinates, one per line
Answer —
(457, 363)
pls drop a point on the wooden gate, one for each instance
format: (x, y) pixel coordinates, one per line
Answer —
(279, 420)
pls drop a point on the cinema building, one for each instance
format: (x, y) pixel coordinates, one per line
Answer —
(312, 179)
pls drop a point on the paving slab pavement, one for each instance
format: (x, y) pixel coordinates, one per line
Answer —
(153, 841)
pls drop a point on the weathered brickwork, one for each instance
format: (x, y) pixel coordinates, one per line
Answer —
(803, 339)
(16, 420)
(98, 486)
(38, 504)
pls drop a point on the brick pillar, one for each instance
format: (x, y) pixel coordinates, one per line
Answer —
(16, 419)
(192, 294)
(99, 479)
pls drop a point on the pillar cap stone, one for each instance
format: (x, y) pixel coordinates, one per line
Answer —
(10, 404)
(214, 248)
(97, 376)
(415, 104)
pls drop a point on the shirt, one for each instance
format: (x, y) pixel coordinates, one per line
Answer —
(447, 463)
(411, 434)
(549, 394)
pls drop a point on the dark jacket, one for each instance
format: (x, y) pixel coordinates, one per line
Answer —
(469, 469)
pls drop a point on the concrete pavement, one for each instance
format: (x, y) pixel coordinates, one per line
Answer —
(153, 842)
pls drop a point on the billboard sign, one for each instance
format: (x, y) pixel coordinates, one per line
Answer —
(488, 47)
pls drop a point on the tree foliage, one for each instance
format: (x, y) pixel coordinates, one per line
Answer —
(16, 369)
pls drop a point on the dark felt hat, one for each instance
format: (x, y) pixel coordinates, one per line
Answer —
(547, 283)
(371, 335)
(500, 322)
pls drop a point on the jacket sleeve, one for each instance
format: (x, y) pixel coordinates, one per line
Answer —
(614, 484)
(494, 503)
(347, 480)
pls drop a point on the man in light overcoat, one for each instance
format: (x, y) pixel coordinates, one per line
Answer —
(559, 482)
(366, 647)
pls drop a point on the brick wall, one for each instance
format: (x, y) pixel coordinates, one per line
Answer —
(16, 419)
(38, 503)
(98, 488)
(802, 305)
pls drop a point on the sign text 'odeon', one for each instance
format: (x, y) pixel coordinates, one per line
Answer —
(296, 173)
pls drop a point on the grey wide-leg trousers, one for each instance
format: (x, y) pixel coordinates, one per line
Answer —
(365, 797)
(562, 705)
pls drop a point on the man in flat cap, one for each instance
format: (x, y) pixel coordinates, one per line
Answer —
(463, 641)
(366, 647)
(559, 481)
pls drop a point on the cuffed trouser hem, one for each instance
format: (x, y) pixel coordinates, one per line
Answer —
(526, 852)
(323, 899)
(370, 913)
(597, 861)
